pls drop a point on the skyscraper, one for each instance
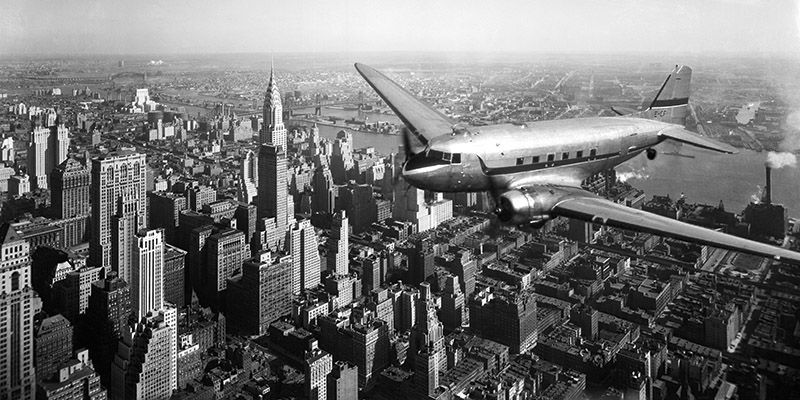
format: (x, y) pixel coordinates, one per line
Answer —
(343, 381)
(227, 250)
(47, 148)
(17, 374)
(318, 364)
(339, 245)
(304, 248)
(263, 293)
(360, 205)
(323, 199)
(273, 190)
(273, 131)
(427, 344)
(147, 274)
(453, 308)
(38, 157)
(106, 320)
(165, 211)
(115, 176)
(246, 191)
(146, 365)
(53, 345)
(174, 276)
(506, 317)
(69, 198)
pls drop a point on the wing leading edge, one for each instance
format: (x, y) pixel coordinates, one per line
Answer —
(423, 121)
(588, 207)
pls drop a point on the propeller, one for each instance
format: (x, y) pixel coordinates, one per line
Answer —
(407, 153)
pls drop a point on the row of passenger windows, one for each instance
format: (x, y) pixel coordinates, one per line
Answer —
(552, 157)
(453, 158)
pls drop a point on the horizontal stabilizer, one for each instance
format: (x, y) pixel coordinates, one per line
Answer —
(623, 110)
(684, 136)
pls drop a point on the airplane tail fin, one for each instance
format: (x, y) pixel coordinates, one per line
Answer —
(671, 103)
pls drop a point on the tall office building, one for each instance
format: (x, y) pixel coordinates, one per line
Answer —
(52, 345)
(72, 293)
(410, 205)
(69, 198)
(197, 197)
(147, 273)
(248, 178)
(453, 308)
(506, 318)
(117, 177)
(343, 381)
(323, 197)
(174, 276)
(47, 148)
(227, 250)
(420, 260)
(124, 226)
(165, 211)
(339, 245)
(274, 131)
(38, 152)
(318, 364)
(7, 152)
(106, 320)
(427, 343)
(304, 248)
(262, 292)
(360, 205)
(273, 190)
(17, 373)
(342, 157)
(146, 365)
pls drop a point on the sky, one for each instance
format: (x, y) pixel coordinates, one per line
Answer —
(57, 27)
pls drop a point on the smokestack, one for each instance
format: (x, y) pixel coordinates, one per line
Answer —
(767, 198)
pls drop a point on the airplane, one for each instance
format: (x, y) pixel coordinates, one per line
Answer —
(534, 171)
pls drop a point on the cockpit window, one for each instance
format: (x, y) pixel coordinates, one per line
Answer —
(454, 158)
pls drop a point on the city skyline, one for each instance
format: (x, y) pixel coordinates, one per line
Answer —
(351, 26)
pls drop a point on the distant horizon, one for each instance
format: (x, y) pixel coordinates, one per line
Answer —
(277, 55)
(50, 27)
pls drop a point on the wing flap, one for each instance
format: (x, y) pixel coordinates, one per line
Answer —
(598, 210)
(684, 136)
(423, 121)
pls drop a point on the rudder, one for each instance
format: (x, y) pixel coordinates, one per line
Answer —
(671, 103)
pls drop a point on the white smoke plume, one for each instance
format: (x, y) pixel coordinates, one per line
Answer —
(780, 160)
(635, 174)
(756, 197)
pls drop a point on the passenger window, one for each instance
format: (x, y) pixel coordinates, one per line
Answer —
(456, 158)
(535, 159)
(579, 154)
(565, 155)
(551, 157)
(520, 160)
(446, 157)
(593, 153)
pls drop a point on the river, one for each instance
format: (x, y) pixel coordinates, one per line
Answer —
(709, 177)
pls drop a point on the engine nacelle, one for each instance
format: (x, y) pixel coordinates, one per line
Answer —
(527, 206)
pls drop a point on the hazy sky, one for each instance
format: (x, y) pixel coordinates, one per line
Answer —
(200, 26)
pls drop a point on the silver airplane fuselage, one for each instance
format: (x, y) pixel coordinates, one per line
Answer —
(543, 152)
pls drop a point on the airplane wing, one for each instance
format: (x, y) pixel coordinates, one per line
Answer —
(422, 120)
(582, 205)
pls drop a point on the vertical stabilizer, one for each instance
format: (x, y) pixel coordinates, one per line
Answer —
(671, 103)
